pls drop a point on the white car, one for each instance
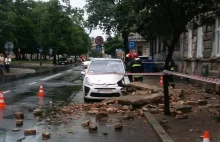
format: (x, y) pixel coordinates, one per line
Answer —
(104, 86)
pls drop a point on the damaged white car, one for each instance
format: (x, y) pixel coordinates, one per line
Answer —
(101, 86)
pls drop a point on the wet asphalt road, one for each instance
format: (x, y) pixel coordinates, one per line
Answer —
(59, 88)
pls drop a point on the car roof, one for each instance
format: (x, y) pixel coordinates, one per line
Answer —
(107, 59)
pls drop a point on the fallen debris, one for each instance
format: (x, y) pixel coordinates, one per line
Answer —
(45, 135)
(15, 129)
(19, 115)
(118, 126)
(86, 123)
(37, 112)
(28, 132)
(19, 122)
(93, 128)
(183, 108)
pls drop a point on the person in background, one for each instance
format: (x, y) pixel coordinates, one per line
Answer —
(1, 64)
(7, 63)
(137, 67)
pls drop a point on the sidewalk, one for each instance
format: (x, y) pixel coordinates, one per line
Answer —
(19, 71)
(204, 115)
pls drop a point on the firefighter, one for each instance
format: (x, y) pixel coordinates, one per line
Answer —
(128, 65)
(137, 67)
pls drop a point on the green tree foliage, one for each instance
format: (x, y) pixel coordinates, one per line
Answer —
(111, 16)
(33, 24)
(95, 54)
(112, 44)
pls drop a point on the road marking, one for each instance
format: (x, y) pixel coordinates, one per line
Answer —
(50, 77)
(7, 91)
(69, 70)
(32, 83)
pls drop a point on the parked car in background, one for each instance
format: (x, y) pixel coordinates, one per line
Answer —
(64, 61)
(104, 85)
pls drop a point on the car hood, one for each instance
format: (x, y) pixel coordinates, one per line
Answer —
(105, 79)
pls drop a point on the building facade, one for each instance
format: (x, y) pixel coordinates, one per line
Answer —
(142, 48)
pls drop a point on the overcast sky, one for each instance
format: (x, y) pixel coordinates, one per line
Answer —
(81, 4)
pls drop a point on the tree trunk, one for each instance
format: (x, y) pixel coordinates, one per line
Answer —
(166, 77)
(37, 56)
(54, 58)
(31, 57)
(125, 37)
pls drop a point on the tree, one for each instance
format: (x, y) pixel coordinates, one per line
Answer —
(111, 16)
(36, 24)
(112, 44)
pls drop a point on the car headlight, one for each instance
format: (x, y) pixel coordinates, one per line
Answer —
(88, 82)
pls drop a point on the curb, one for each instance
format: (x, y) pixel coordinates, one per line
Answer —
(162, 134)
(6, 79)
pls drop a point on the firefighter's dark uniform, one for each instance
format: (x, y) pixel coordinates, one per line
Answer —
(171, 68)
(137, 67)
(128, 68)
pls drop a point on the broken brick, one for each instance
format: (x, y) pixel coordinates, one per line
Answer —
(37, 112)
(118, 126)
(19, 115)
(86, 123)
(28, 132)
(19, 122)
(202, 102)
(45, 135)
(101, 116)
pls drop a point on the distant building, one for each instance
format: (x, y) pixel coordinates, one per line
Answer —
(142, 48)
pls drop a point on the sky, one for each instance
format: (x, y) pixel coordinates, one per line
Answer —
(81, 4)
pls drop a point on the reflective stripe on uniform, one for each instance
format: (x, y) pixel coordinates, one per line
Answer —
(172, 68)
(136, 65)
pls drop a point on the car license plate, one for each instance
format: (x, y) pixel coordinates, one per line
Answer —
(105, 91)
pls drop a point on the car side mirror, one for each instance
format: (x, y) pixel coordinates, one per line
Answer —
(83, 73)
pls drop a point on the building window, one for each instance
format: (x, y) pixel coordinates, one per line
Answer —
(190, 42)
(140, 51)
(199, 43)
(216, 45)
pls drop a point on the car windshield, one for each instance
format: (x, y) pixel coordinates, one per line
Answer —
(102, 66)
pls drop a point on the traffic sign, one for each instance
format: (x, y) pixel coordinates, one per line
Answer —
(99, 40)
(120, 50)
(98, 47)
(131, 45)
(9, 45)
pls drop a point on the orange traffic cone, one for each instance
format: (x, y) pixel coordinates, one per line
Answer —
(2, 100)
(41, 91)
(161, 79)
(206, 137)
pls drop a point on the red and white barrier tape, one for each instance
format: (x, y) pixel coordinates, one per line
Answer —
(146, 74)
(195, 77)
